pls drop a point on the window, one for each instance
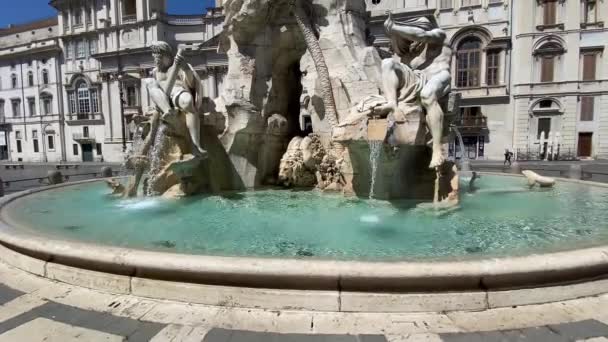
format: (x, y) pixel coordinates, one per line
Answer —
(16, 104)
(19, 148)
(544, 125)
(493, 66)
(132, 100)
(45, 76)
(80, 50)
(129, 8)
(77, 17)
(445, 4)
(72, 100)
(545, 104)
(98, 148)
(69, 50)
(587, 105)
(1, 110)
(589, 66)
(468, 63)
(547, 68)
(93, 46)
(31, 104)
(30, 79)
(88, 15)
(47, 104)
(466, 3)
(14, 83)
(85, 131)
(18, 135)
(84, 98)
(75, 149)
(549, 12)
(94, 101)
(589, 11)
(50, 142)
(35, 141)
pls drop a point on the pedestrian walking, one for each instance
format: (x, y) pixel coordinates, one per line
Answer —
(508, 156)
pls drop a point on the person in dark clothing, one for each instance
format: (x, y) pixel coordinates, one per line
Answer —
(508, 156)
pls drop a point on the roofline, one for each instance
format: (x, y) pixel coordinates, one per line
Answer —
(31, 25)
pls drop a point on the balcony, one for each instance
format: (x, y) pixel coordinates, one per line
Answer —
(128, 19)
(83, 138)
(84, 119)
(472, 123)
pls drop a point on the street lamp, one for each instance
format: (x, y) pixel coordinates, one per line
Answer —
(122, 112)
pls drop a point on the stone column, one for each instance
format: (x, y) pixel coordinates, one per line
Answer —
(212, 83)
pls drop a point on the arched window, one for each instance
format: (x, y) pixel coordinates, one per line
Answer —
(14, 81)
(30, 79)
(45, 76)
(84, 98)
(547, 54)
(468, 63)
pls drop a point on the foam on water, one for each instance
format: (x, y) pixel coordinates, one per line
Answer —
(370, 219)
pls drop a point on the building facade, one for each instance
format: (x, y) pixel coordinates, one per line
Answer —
(559, 86)
(528, 73)
(70, 86)
(480, 33)
(31, 116)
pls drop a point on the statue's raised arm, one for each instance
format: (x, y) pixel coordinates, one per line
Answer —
(418, 30)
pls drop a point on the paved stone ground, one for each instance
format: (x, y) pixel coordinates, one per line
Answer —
(35, 309)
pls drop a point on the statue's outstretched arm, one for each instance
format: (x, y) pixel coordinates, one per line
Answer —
(414, 33)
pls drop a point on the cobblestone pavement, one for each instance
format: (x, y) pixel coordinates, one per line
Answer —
(36, 309)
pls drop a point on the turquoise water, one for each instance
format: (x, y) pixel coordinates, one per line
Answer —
(503, 217)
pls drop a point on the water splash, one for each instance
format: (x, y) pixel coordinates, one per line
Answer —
(155, 157)
(464, 159)
(375, 149)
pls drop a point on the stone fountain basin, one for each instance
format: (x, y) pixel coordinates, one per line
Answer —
(308, 284)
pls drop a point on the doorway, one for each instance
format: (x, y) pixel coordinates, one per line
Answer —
(87, 152)
(585, 141)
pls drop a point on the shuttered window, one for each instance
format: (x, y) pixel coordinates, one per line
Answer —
(589, 64)
(587, 105)
(547, 65)
(550, 12)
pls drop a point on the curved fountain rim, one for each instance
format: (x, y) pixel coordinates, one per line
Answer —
(490, 273)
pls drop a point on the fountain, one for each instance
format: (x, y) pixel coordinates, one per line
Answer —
(239, 197)
(375, 148)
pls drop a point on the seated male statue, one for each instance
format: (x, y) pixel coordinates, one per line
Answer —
(185, 96)
(423, 57)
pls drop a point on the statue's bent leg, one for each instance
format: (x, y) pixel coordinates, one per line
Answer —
(392, 79)
(158, 96)
(429, 96)
(185, 102)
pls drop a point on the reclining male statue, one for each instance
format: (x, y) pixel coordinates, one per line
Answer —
(423, 58)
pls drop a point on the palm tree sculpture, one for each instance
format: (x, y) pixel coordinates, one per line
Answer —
(312, 44)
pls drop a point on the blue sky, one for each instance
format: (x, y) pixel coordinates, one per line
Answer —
(20, 11)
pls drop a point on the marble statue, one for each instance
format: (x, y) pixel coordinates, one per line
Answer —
(176, 87)
(424, 59)
(534, 178)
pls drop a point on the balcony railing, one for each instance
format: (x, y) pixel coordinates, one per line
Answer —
(83, 137)
(126, 19)
(473, 122)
